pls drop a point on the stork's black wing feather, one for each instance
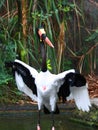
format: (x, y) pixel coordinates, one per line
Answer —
(71, 80)
(64, 91)
(74, 84)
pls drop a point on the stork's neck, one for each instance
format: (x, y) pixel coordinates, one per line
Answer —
(43, 53)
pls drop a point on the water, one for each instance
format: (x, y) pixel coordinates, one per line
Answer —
(28, 121)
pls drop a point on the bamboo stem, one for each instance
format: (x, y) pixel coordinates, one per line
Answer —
(61, 45)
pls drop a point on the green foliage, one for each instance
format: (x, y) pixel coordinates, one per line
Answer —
(93, 36)
(7, 52)
(67, 64)
(9, 94)
(4, 78)
(49, 64)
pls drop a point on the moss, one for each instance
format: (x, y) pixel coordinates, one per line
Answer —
(90, 118)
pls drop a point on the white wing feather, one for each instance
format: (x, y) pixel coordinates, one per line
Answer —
(33, 71)
(63, 74)
(81, 97)
(23, 87)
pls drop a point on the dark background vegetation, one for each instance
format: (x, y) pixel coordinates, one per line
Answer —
(72, 26)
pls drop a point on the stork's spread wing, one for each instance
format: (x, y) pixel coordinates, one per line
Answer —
(25, 78)
(75, 86)
(81, 97)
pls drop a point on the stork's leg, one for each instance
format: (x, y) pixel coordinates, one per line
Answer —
(38, 124)
(52, 115)
(53, 108)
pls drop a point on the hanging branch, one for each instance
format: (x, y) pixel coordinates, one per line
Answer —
(81, 58)
(34, 5)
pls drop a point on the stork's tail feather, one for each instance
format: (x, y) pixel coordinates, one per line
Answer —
(46, 111)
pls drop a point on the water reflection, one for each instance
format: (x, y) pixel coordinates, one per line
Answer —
(28, 122)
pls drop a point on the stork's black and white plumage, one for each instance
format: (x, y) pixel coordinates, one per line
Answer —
(45, 87)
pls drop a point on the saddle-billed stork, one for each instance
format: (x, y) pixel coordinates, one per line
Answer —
(45, 87)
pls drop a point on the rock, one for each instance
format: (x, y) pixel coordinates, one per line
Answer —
(94, 101)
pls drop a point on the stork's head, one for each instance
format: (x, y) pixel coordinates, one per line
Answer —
(42, 35)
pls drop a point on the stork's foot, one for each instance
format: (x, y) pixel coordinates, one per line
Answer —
(38, 127)
(53, 128)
